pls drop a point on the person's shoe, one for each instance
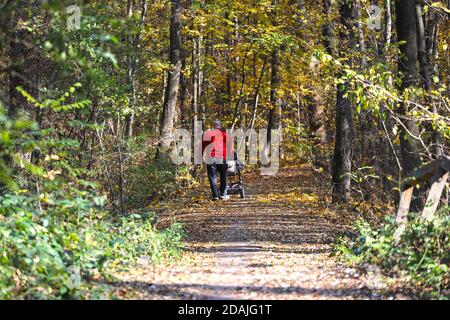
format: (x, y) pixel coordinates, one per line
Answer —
(225, 198)
(216, 199)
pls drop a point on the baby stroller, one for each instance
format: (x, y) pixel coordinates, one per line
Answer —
(235, 184)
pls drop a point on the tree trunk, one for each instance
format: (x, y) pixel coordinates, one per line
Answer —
(425, 70)
(406, 23)
(18, 40)
(129, 118)
(19, 50)
(421, 48)
(316, 120)
(200, 77)
(133, 62)
(387, 24)
(171, 94)
(364, 148)
(361, 38)
(328, 37)
(240, 92)
(16, 100)
(229, 73)
(274, 99)
(407, 64)
(194, 81)
(184, 93)
(256, 96)
(342, 160)
(327, 29)
(316, 104)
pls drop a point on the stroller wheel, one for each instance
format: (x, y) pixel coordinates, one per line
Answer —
(242, 192)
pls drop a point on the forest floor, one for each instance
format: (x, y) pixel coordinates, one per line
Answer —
(274, 244)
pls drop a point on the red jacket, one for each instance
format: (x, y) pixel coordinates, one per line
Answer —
(220, 141)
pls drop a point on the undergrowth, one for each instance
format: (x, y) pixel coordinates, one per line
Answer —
(57, 240)
(421, 255)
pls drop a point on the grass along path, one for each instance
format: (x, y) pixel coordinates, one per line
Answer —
(274, 244)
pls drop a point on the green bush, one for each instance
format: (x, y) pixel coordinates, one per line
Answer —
(422, 254)
(56, 238)
(41, 252)
(150, 180)
(145, 179)
(136, 237)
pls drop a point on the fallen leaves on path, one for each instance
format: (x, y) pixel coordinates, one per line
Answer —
(274, 244)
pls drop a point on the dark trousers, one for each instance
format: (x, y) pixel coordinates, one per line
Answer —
(213, 170)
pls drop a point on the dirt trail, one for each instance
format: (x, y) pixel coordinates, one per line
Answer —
(274, 244)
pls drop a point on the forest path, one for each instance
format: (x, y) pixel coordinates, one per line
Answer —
(274, 244)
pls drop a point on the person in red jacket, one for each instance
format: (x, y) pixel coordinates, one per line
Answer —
(216, 142)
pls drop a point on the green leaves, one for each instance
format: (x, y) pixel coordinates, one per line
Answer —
(135, 237)
(423, 251)
(56, 223)
(57, 104)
